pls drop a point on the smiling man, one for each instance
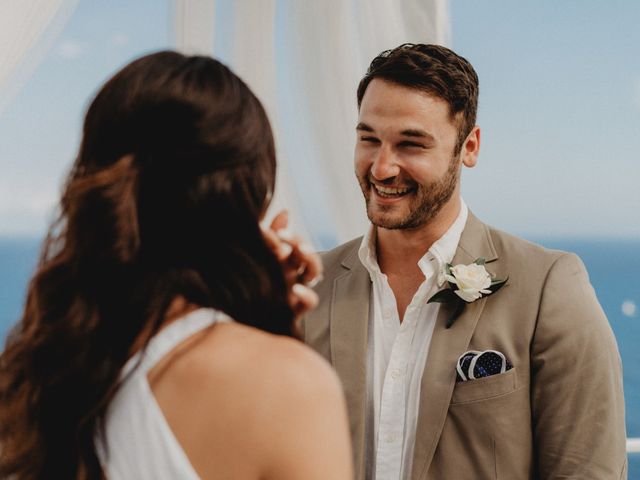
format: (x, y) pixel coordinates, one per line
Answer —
(465, 353)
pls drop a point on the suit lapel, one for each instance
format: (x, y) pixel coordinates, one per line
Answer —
(447, 345)
(349, 321)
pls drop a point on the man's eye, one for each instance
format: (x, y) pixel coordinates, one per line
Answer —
(369, 139)
(411, 145)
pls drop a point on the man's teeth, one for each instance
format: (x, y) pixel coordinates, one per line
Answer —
(391, 190)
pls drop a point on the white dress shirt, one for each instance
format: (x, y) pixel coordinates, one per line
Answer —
(397, 354)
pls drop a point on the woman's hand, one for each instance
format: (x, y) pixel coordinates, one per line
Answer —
(301, 265)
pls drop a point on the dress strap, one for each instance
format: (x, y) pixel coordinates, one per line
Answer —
(173, 334)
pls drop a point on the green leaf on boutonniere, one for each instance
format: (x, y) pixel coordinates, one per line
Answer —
(459, 308)
(449, 297)
(444, 296)
(497, 284)
(480, 261)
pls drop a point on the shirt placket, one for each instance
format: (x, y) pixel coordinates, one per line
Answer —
(391, 423)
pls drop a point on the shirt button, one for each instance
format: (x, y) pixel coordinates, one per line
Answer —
(390, 438)
(387, 313)
(396, 373)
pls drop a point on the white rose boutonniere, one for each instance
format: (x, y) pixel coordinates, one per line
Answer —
(467, 283)
(472, 281)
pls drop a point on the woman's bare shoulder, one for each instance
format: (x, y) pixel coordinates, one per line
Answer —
(252, 398)
(244, 359)
(265, 359)
(298, 413)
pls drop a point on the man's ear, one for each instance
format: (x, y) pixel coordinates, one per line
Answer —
(471, 148)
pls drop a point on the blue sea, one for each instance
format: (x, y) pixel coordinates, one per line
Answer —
(613, 265)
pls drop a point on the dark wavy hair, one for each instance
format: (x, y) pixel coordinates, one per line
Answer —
(175, 169)
(436, 70)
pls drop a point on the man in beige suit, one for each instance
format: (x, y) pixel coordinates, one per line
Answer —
(549, 403)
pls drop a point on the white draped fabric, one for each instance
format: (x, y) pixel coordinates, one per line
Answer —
(27, 30)
(304, 60)
(194, 21)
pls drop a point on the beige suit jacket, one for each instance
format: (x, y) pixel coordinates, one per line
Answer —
(559, 413)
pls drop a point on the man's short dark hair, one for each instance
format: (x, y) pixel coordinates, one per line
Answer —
(435, 70)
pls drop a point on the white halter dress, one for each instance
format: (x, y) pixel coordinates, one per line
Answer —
(139, 442)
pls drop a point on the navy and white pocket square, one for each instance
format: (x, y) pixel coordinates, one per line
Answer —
(475, 364)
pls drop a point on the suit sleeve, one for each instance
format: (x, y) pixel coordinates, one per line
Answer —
(576, 375)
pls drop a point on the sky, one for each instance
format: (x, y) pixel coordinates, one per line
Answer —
(40, 127)
(559, 111)
(559, 114)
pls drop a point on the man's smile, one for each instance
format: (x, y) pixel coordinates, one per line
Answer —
(390, 192)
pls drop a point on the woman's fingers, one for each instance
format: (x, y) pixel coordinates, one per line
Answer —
(302, 299)
(280, 221)
(310, 266)
(281, 249)
(303, 264)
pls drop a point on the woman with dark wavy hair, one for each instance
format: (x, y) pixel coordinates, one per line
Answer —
(156, 336)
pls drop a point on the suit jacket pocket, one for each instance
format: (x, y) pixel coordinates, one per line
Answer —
(485, 388)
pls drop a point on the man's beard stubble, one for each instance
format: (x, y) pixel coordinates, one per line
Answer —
(429, 201)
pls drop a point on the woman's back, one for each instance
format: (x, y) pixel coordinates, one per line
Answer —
(226, 401)
(161, 213)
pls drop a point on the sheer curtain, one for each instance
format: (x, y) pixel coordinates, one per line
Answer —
(304, 60)
(27, 30)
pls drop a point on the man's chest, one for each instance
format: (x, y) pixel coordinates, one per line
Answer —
(402, 289)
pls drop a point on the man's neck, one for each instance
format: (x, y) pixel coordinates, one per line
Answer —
(400, 250)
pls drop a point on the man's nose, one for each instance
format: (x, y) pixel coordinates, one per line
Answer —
(384, 165)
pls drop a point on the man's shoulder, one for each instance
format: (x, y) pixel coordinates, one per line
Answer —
(530, 261)
(512, 246)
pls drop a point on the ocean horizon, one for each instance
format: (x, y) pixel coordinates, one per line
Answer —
(613, 266)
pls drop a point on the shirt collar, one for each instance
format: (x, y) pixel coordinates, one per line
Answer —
(442, 250)
(367, 251)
